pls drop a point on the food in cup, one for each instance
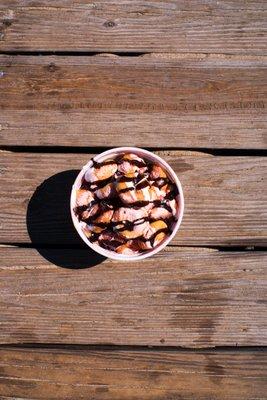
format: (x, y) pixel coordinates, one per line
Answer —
(126, 204)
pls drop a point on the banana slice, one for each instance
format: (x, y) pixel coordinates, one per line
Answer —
(160, 213)
(127, 249)
(131, 165)
(101, 173)
(90, 212)
(151, 233)
(90, 229)
(84, 197)
(137, 231)
(129, 214)
(106, 192)
(130, 192)
(157, 172)
(105, 217)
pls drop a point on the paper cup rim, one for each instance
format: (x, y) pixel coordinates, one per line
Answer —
(140, 152)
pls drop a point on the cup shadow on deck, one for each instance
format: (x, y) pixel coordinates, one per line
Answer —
(50, 226)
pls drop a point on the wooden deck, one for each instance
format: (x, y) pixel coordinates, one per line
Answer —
(187, 80)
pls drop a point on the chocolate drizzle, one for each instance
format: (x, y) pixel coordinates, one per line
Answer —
(110, 236)
(160, 182)
(98, 165)
(129, 225)
(79, 210)
(138, 163)
(142, 184)
(127, 189)
(152, 238)
(163, 204)
(119, 160)
(93, 186)
(110, 244)
(172, 193)
(126, 179)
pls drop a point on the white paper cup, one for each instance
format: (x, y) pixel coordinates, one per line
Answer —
(151, 157)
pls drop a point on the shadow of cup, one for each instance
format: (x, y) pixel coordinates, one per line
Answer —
(50, 226)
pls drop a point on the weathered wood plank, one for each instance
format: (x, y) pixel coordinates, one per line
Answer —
(190, 101)
(182, 297)
(132, 374)
(225, 198)
(234, 26)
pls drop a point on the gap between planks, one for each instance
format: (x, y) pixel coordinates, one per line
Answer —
(179, 151)
(165, 56)
(171, 247)
(134, 348)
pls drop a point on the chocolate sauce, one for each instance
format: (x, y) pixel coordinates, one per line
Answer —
(163, 204)
(138, 204)
(170, 222)
(129, 225)
(85, 185)
(102, 183)
(93, 186)
(167, 207)
(172, 194)
(149, 166)
(106, 205)
(127, 189)
(80, 209)
(153, 237)
(138, 163)
(160, 182)
(142, 185)
(94, 237)
(110, 244)
(103, 206)
(98, 165)
(126, 179)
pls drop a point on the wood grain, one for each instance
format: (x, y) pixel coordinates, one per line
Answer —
(132, 374)
(234, 26)
(175, 101)
(181, 297)
(225, 198)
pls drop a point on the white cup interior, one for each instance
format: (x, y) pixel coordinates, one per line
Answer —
(151, 157)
